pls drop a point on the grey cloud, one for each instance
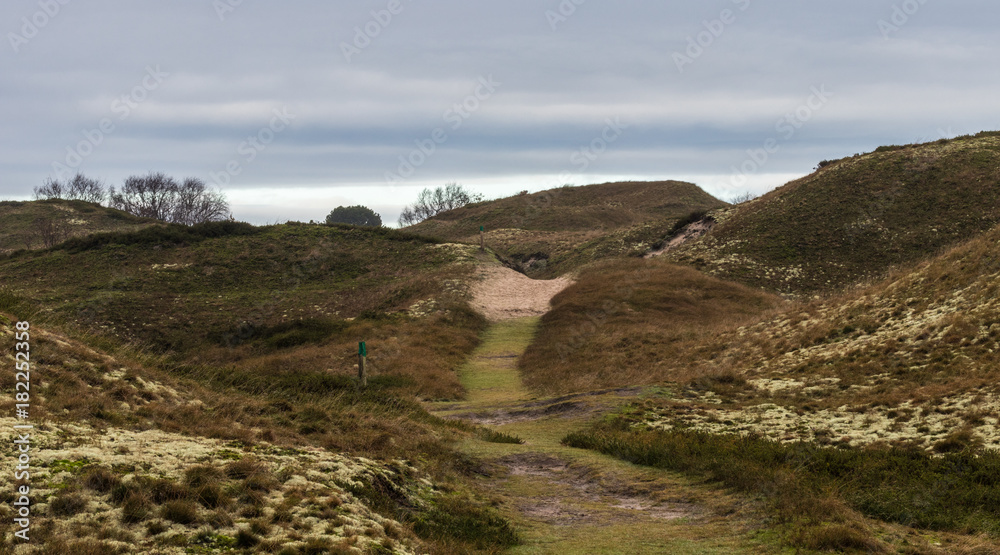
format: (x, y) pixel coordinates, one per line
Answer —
(607, 59)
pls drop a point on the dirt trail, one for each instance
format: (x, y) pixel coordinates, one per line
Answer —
(570, 500)
(689, 233)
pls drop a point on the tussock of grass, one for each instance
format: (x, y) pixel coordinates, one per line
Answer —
(958, 492)
(101, 479)
(246, 539)
(68, 504)
(495, 436)
(245, 468)
(457, 518)
(182, 512)
(135, 508)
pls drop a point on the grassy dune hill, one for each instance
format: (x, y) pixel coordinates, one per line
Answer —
(225, 353)
(32, 225)
(634, 322)
(910, 360)
(867, 420)
(857, 217)
(129, 456)
(552, 232)
(265, 298)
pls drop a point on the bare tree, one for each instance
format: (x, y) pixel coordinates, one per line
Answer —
(196, 203)
(148, 196)
(431, 203)
(159, 196)
(742, 198)
(87, 189)
(49, 190)
(80, 187)
(50, 231)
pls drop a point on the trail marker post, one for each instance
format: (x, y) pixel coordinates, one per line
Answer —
(482, 238)
(362, 360)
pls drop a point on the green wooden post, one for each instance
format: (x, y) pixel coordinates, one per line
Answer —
(482, 238)
(362, 360)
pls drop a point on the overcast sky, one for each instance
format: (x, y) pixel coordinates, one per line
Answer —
(295, 107)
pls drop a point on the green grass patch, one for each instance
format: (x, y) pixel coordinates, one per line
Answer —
(65, 465)
(9, 301)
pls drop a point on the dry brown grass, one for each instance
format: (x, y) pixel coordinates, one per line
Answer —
(633, 322)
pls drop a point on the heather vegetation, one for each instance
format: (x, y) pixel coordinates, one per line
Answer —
(856, 218)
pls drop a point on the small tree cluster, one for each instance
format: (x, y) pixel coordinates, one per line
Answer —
(154, 195)
(159, 196)
(431, 203)
(50, 231)
(80, 187)
(354, 215)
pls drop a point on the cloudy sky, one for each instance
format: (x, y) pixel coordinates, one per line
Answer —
(295, 107)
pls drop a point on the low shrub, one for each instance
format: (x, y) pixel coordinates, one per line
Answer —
(101, 479)
(68, 504)
(182, 512)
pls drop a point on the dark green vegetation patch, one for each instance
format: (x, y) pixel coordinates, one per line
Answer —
(956, 492)
(857, 217)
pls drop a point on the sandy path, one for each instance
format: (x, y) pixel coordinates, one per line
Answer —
(565, 500)
(503, 294)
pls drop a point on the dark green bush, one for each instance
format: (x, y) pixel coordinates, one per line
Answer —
(164, 235)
